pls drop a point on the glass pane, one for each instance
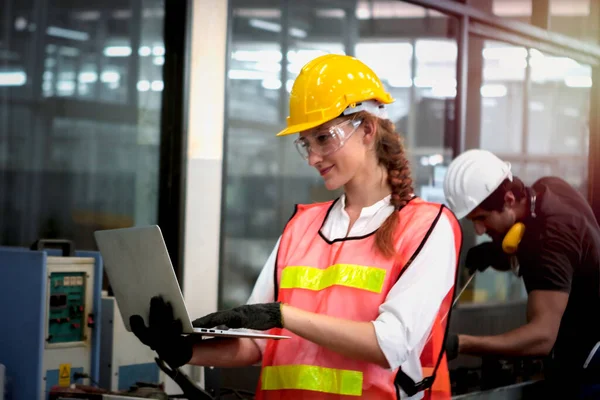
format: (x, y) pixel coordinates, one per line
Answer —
(557, 132)
(79, 121)
(502, 97)
(519, 10)
(411, 50)
(559, 107)
(576, 18)
(496, 110)
(252, 193)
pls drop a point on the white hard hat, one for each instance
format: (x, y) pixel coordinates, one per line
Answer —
(471, 178)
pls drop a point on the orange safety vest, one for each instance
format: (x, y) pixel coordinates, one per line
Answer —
(347, 278)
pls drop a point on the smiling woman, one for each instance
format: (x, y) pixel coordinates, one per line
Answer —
(362, 284)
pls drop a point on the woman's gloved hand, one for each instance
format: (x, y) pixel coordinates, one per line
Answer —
(487, 254)
(163, 334)
(260, 317)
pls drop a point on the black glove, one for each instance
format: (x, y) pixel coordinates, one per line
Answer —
(164, 334)
(451, 346)
(484, 255)
(260, 317)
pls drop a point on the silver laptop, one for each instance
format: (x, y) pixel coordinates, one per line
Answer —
(138, 267)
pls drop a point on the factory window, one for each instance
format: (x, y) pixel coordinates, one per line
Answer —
(80, 99)
(575, 18)
(531, 109)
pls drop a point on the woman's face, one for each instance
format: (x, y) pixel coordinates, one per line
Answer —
(337, 149)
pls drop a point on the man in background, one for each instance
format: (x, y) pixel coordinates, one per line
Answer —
(548, 235)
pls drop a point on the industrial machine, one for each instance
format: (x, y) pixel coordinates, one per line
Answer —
(49, 303)
(124, 360)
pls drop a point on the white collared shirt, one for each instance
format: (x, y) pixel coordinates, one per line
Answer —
(410, 308)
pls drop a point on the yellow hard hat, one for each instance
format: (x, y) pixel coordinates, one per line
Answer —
(326, 86)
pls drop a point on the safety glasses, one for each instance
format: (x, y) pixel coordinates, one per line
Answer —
(326, 141)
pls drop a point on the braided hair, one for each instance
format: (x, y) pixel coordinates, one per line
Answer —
(389, 150)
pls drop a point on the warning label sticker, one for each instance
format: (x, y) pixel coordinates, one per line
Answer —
(64, 375)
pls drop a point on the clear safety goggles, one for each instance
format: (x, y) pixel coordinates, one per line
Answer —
(326, 141)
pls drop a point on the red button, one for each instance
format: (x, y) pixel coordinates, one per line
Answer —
(80, 308)
(76, 326)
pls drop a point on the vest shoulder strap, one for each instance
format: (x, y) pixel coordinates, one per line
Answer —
(402, 380)
(301, 211)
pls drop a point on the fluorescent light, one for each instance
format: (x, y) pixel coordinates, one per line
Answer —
(117, 51)
(88, 77)
(337, 13)
(265, 25)
(121, 14)
(20, 24)
(110, 77)
(144, 51)
(578, 81)
(363, 13)
(143, 86)
(87, 15)
(157, 86)
(271, 84)
(67, 33)
(297, 32)
(257, 12)
(436, 159)
(16, 78)
(158, 51)
(275, 27)
(65, 86)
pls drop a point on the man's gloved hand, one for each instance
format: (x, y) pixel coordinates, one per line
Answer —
(164, 334)
(484, 255)
(451, 346)
(260, 317)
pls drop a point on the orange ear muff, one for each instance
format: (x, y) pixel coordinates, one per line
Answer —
(513, 237)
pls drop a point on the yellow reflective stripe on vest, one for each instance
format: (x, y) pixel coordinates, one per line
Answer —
(310, 377)
(356, 276)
